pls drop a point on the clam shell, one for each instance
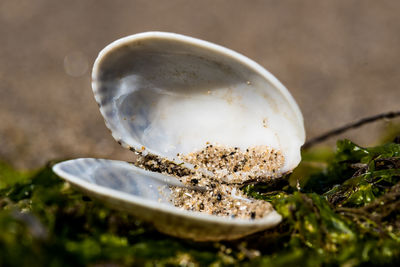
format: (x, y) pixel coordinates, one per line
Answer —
(145, 195)
(166, 93)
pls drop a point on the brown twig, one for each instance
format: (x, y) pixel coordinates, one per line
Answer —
(353, 125)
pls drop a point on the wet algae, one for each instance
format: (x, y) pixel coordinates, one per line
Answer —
(339, 208)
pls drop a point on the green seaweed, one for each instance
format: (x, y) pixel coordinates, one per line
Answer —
(338, 208)
(10, 176)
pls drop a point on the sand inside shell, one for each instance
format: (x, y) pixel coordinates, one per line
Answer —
(221, 172)
(231, 167)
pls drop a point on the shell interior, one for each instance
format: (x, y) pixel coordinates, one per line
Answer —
(169, 94)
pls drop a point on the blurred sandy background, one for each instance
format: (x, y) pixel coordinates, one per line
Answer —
(340, 60)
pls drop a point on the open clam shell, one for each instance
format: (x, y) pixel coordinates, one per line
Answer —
(126, 187)
(166, 93)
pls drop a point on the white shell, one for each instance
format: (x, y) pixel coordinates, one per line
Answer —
(126, 187)
(170, 94)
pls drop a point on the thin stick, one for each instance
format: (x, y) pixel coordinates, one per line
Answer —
(353, 125)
